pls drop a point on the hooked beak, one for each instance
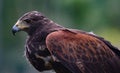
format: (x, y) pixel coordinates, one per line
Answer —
(15, 29)
(19, 26)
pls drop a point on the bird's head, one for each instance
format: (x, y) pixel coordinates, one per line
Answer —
(29, 22)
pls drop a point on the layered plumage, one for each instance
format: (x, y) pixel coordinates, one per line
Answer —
(51, 46)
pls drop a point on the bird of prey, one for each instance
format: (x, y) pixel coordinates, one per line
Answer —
(54, 47)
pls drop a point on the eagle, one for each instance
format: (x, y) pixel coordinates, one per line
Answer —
(50, 46)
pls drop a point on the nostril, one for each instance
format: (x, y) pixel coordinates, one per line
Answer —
(17, 25)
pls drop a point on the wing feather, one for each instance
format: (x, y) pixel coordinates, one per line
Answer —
(82, 53)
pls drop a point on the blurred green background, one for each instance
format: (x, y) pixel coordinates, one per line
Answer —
(100, 16)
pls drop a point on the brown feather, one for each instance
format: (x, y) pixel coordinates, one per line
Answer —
(51, 46)
(84, 52)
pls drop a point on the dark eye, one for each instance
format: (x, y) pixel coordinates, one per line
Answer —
(28, 20)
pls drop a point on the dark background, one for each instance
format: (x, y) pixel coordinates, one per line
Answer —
(99, 16)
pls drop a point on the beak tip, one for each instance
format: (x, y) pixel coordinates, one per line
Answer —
(13, 32)
(15, 29)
